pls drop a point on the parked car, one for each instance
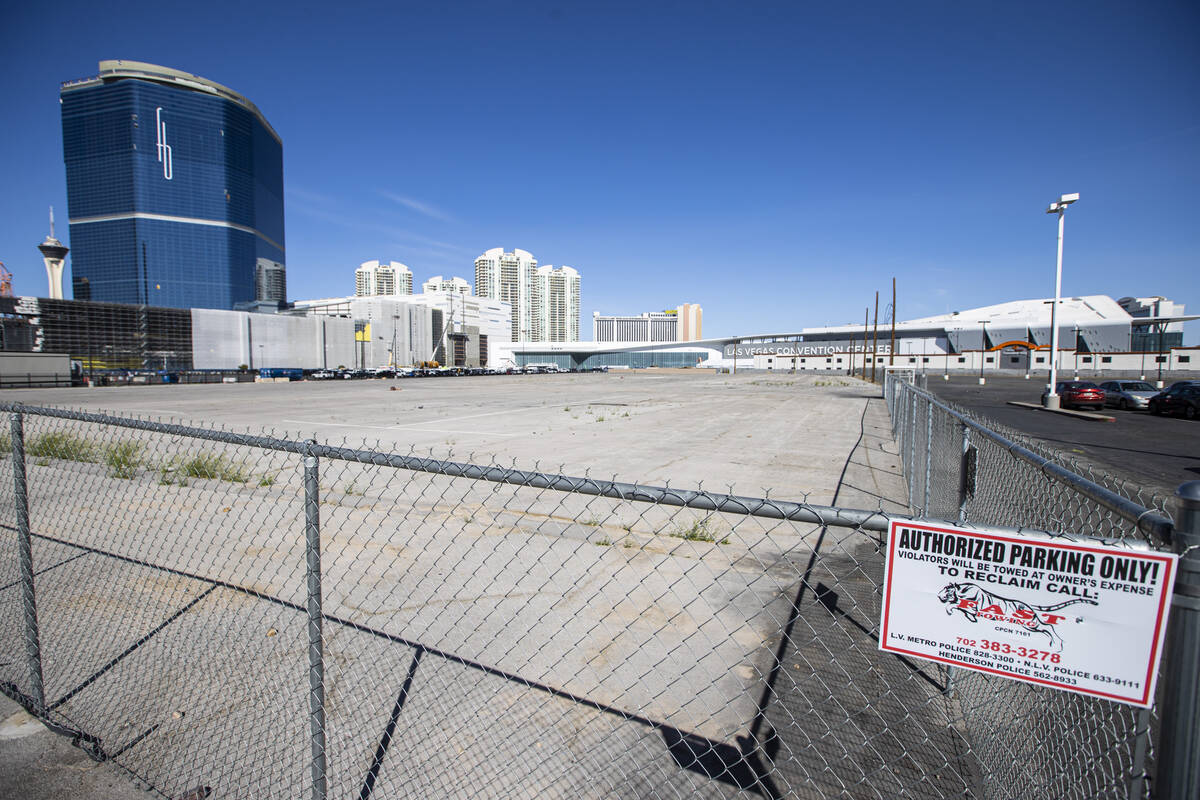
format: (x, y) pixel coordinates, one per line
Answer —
(1080, 394)
(1182, 397)
(1128, 394)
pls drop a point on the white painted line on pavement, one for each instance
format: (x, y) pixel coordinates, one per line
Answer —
(485, 414)
(448, 430)
(331, 424)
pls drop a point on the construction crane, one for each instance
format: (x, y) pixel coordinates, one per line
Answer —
(5, 281)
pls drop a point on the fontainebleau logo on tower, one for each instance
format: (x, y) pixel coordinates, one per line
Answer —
(164, 149)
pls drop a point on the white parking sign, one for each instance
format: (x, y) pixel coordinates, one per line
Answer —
(1077, 616)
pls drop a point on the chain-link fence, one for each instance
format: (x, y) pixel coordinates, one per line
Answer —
(250, 616)
(1067, 745)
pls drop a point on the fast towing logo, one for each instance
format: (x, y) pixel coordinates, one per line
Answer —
(975, 602)
(164, 149)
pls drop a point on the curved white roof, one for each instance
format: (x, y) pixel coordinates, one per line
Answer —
(115, 69)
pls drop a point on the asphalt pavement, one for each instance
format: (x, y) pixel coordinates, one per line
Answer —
(1156, 452)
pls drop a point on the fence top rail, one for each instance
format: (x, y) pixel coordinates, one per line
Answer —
(877, 521)
(1147, 520)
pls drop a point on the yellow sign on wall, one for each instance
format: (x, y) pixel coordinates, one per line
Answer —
(362, 334)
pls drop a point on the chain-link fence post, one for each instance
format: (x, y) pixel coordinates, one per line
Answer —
(33, 649)
(895, 409)
(966, 476)
(1137, 775)
(928, 453)
(1179, 761)
(909, 444)
(316, 664)
(966, 488)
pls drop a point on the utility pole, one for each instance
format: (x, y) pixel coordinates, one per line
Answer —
(395, 323)
(866, 319)
(875, 340)
(892, 352)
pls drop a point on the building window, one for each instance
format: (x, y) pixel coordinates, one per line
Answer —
(1014, 359)
(1185, 359)
(912, 361)
(990, 359)
(1105, 359)
(961, 359)
(829, 361)
(1160, 359)
(839, 361)
(1041, 359)
(1087, 359)
(925, 360)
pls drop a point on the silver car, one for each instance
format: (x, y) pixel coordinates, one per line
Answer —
(1128, 394)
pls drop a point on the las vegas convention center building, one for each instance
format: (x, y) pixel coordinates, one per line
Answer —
(1097, 335)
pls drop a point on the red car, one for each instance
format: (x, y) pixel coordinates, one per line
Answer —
(1080, 394)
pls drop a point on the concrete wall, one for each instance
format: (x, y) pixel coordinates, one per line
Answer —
(1178, 360)
(227, 339)
(406, 325)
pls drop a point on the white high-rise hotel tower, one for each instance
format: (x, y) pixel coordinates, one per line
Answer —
(545, 300)
(374, 278)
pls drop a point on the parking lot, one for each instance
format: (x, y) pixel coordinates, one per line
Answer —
(1158, 452)
(561, 644)
(790, 434)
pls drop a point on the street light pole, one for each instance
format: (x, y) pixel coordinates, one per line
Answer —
(1143, 376)
(1159, 358)
(1076, 352)
(982, 351)
(1058, 207)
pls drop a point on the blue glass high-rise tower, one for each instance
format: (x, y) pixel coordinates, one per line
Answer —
(174, 188)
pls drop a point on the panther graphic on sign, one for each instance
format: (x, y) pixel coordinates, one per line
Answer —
(975, 602)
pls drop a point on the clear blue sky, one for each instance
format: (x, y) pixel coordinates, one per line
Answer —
(776, 163)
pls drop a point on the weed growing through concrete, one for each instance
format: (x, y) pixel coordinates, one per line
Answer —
(605, 542)
(64, 445)
(592, 522)
(5, 444)
(123, 459)
(211, 465)
(167, 475)
(266, 480)
(698, 531)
